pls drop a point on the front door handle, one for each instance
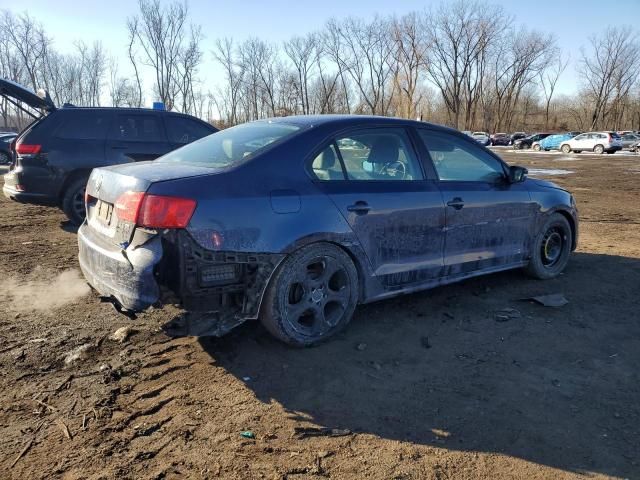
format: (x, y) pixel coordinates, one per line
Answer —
(456, 203)
(359, 207)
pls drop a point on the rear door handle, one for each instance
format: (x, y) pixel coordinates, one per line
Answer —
(359, 207)
(456, 203)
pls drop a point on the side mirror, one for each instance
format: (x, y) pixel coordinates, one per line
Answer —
(517, 174)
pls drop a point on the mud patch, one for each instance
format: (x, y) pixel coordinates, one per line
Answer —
(42, 290)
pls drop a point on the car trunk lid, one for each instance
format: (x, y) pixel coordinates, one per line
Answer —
(109, 191)
(16, 94)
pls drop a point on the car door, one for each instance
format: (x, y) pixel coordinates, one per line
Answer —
(376, 180)
(489, 222)
(135, 137)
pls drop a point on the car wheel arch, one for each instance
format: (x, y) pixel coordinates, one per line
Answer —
(572, 224)
(352, 249)
(72, 177)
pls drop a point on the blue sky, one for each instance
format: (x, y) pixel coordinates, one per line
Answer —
(571, 21)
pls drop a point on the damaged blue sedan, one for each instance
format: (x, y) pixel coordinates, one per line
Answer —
(295, 221)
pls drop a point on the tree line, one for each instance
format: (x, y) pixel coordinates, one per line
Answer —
(467, 64)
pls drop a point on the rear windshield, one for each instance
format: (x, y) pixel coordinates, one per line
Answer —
(231, 146)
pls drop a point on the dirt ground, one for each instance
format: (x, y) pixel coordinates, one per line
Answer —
(429, 386)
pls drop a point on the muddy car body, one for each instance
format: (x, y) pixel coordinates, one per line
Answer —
(306, 217)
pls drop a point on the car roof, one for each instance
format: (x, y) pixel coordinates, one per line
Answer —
(352, 120)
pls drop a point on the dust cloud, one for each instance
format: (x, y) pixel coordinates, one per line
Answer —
(42, 290)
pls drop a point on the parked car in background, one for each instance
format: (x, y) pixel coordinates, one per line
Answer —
(56, 153)
(596, 142)
(500, 139)
(552, 142)
(517, 136)
(467, 132)
(481, 137)
(629, 140)
(6, 139)
(324, 228)
(527, 142)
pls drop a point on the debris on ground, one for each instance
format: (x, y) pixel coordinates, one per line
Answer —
(361, 347)
(63, 427)
(247, 434)
(122, 334)
(551, 300)
(506, 314)
(78, 353)
(304, 432)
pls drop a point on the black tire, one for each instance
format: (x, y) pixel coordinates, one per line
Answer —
(311, 296)
(599, 149)
(526, 146)
(551, 248)
(566, 148)
(610, 152)
(5, 159)
(73, 201)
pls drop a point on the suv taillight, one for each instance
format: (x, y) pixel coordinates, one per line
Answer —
(154, 211)
(27, 149)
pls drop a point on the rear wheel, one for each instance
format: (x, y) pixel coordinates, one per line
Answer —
(73, 201)
(537, 147)
(312, 295)
(526, 146)
(610, 152)
(4, 158)
(566, 149)
(551, 248)
(598, 149)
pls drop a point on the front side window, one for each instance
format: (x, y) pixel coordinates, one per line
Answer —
(138, 128)
(185, 130)
(379, 154)
(233, 145)
(458, 160)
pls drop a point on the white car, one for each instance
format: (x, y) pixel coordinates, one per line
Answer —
(596, 142)
(482, 138)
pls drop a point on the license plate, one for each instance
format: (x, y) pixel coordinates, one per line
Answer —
(105, 212)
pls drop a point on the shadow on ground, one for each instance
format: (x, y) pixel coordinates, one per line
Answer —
(557, 387)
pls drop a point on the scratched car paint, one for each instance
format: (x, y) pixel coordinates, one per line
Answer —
(294, 221)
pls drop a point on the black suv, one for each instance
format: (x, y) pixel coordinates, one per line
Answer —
(53, 156)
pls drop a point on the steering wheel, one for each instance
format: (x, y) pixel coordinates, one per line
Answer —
(396, 170)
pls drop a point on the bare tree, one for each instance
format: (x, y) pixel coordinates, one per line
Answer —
(161, 32)
(609, 70)
(548, 80)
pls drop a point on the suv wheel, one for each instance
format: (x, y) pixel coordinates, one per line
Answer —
(566, 149)
(551, 248)
(4, 158)
(599, 149)
(73, 201)
(311, 296)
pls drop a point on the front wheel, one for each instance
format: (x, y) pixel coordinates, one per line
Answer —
(312, 295)
(566, 149)
(551, 248)
(73, 201)
(537, 148)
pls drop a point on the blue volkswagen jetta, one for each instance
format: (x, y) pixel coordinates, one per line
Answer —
(296, 220)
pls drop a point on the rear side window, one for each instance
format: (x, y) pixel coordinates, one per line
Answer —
(81, 125)
(185, 130)
(137, 128)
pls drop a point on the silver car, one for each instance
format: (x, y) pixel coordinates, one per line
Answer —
(596, 142)
(629, 140)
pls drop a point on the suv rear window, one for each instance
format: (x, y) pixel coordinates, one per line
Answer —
(79, 125)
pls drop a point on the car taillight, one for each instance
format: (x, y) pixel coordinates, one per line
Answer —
(155, 211)
(28, 149)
